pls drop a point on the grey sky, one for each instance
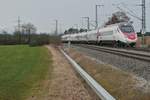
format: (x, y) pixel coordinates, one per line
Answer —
(42, 13)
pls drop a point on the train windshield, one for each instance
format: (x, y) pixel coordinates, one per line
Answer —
(127, 28)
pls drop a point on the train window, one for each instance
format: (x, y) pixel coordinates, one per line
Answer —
(107, 33)
(126, 29)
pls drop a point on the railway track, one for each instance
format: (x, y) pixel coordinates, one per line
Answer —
(139, 49)
(140, 55)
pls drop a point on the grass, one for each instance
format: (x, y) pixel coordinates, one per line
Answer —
(21, 67)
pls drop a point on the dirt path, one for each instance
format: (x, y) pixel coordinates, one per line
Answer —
(63, 83)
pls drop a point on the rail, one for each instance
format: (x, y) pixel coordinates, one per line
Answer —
(97, 88)
(139, 49)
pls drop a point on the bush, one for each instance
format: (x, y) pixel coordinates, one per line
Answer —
(55, 39)
(39, 39)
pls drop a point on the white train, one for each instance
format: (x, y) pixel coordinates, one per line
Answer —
(121, 34)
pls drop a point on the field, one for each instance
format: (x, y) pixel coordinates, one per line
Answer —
(21, 68)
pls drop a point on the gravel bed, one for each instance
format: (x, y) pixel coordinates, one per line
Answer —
(135, 66)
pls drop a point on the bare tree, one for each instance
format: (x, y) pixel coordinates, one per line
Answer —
(28, 29)
(118, 17)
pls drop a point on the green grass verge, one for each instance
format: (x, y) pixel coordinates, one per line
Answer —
(21, 67)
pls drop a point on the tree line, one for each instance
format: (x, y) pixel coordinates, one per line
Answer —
(27, 35)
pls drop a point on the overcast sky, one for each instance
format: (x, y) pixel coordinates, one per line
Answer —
(42, 13)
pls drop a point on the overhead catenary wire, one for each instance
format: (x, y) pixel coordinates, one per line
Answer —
(131, 14)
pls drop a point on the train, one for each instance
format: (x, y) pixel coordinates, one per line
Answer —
(117, 35)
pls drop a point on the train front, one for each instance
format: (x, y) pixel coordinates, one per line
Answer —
(129, 34)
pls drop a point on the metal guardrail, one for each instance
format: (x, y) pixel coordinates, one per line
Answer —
(97, 88)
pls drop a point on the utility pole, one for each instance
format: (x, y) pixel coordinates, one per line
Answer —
(88, 22)
(56, 31)
(143, 31)
(96, 16)
(19, 25)
(29, 38)
(143, 20)
(19, 29)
